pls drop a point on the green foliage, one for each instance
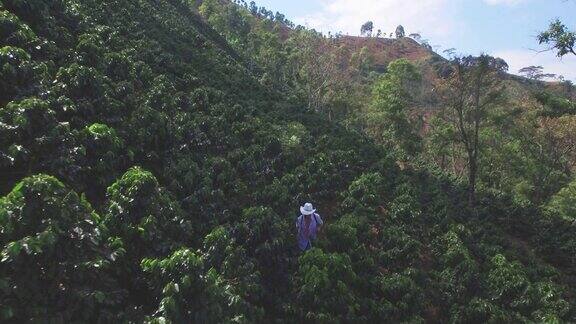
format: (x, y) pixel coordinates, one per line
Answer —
(460, 273)
(506, 282)
(28, 118)
(52, 257)
(223, 253)
(559, 37)
(14, 33)
(509, 285)
(399, 249)
(145, 216)
(196, 146)
(402, 296)
(29, 130)
(564, 202)
(190, 294)
(324, 283)
(555, 106)
(262, 231)
(388, 119)
(16, 72)
(104, 153)
(365, 192)
(518, 167)
(89, 49)
(81, 82)
(344, 235)
(481, 311)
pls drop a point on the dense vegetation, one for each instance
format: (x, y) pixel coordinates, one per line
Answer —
(153, 154)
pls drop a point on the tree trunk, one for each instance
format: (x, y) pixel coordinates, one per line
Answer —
(472, 170)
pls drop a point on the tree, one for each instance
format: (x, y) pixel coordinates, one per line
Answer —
(379, 33)
(531, 72)
(253, 8)
(279, 17)
(416, 36)
(388, 120)
(535, 73)
(315, 70)
(559, 138)
(366, 29)
(559, 38)
(362, 61)
(564, 202)
(123, 83)
(450, 52)
(400, 31)
(426, 45)
(473, 88)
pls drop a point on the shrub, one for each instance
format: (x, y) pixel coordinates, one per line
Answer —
(53, 257)
(365, 192)
(90, 50)
(507, 282)
(458, 279)
(28, 129)
(103, 154)
(399, 249)
(190, 294)
(404, 295)
(16, 73)
(14, 33)
(323, 287)
(144, 215)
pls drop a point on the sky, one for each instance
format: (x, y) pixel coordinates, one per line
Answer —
(502, 28)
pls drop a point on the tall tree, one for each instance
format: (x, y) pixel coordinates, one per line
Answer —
(535, 73)
(531, 72)
(367, 28)
(400, 31)
(472, 89)
(388, 117)
(315, 69)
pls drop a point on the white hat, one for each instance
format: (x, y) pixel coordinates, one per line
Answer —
(307, 209)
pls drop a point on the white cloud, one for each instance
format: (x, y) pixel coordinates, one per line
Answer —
(518, 59)
(503, 2)
(433, 18)
(437, 20)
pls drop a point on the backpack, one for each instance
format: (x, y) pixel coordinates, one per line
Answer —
(302, 219)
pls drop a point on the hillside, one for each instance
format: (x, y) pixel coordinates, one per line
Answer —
(385, 50)
(152, 167)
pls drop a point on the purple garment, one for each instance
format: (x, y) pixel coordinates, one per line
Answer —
(305, 237)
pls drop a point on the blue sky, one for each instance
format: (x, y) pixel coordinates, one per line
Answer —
(504, 28)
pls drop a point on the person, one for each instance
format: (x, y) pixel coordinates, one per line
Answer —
(308, 224)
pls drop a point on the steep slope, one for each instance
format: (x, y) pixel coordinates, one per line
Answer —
(148, 176)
